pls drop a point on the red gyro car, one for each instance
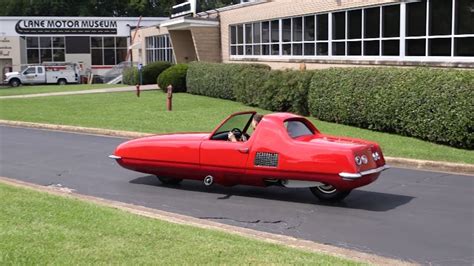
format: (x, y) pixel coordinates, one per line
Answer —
(284, 149)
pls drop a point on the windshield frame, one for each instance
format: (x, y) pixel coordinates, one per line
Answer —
(247, 125)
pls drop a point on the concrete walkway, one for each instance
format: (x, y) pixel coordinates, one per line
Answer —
(119, 89)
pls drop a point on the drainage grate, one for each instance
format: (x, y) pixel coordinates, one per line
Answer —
(266, 159)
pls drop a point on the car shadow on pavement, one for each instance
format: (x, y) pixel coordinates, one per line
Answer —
(358, 199)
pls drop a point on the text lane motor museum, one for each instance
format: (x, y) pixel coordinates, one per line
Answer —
(66, 27)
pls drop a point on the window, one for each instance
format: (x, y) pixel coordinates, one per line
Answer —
(297, 129)
(158, 48)
(423, 28)
(108, 50)
(44, 49)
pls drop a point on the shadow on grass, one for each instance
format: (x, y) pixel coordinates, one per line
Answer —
(358, 199)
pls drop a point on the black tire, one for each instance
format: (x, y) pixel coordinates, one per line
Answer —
(15, 82)
(328, 193)
(169, 181)
(62, 82)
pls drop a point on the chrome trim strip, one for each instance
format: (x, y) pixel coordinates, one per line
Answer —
(114, 157)
(351, 176)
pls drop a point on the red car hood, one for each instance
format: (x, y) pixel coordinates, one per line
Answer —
(176, 136)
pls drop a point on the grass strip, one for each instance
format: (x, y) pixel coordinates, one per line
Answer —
(29, 89)
(124, 111)
(38, 228)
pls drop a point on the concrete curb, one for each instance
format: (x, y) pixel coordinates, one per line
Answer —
(205, 224)
(445, 167)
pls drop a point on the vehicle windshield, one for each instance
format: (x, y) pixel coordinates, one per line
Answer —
(239, 121)
(296, 129)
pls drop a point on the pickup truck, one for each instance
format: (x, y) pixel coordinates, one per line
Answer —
(40, 74)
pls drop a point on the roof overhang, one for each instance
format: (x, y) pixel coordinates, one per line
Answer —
(185, 23)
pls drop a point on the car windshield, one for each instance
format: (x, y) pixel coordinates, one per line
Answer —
(240, 121)
(297, 129)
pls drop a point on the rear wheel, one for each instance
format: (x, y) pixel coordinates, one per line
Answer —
(62, 82)
(15, 82)
(169, 181)
(328, 193)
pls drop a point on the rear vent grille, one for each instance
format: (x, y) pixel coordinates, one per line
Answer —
(266, 159)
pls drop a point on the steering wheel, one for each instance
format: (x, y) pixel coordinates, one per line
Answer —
(237, 133)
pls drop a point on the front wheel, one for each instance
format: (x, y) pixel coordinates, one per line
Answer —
(328, 193)
(169, 181)
(15, 82)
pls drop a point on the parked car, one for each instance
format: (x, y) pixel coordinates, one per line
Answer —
(285, 150)
(44, 74)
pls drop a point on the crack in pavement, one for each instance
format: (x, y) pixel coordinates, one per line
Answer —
(258, 221)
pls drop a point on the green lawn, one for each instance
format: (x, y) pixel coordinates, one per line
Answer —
(125, 111)
(38, 228)
(30, 89)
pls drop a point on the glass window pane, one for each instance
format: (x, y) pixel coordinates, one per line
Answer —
(58, 55)
(97, 57)
(109, 42)
(354, 48)
(391, 21)
(464, 17)
(416, 19)
(354, 25)
(297, 49)
(440, 47)
(286, 30)
(256, 33)
(96, 42)
(58, 42)
(46, 55)
(275, 49)
(297, 29)
(464, 46)
(266, 49)
(416, 47)
(372, 22)
(32, 42)
(338, 48)
(32, 56)
(121, 42)
(45, 42)
(322, 27)
(233, 50)
(322, 49)
(339, 25)
(248, 33)
(240, 34)
(240, 50)
(121, 55)
(256, 50)
(248, 50)
(391, 47)
(275, 31)
(309, 49)
(233, 37)
(109, 57)
(309, 28)
(286, 49)
(371, 48)
(265, 32)
(440, 17)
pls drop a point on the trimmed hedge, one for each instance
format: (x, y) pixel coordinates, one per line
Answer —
(431, 104)
(130, 76)
(175, 76)
(151, 71)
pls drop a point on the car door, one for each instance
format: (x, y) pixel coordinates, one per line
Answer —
(40, 75)
(29, 75)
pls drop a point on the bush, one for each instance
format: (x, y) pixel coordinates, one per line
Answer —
(220, 80)
(430, 104)
(175, 76)
(130, 76)
(151, 71)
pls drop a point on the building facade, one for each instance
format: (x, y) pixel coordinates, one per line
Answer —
(96, 43)
(326, 33)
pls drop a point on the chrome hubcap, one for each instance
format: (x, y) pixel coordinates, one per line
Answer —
(326, 189)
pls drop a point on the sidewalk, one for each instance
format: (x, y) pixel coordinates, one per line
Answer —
(121, 89)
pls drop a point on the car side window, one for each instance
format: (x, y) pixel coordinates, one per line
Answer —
(39, 70)
(30, 70)
(297, 129)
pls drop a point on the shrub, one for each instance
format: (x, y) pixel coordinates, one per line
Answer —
(130, 76)
(219, 80)
(175, 76)
(151, 71)
(431, 104)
